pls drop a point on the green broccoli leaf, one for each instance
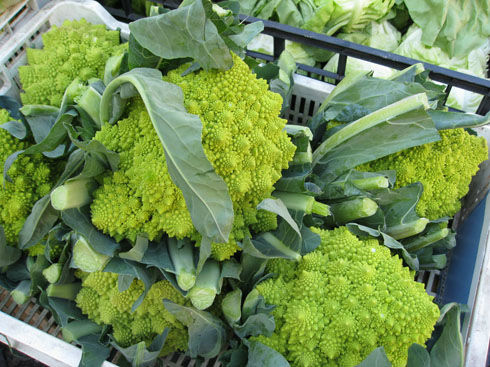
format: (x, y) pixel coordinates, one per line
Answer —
(418, 356)
(8, 254)
(188, 33)
(448, 350)
(377, 358)
(207, 333)
(94, 353)
(261, 355)
(80, 222)
(141, 356)
(39, 222)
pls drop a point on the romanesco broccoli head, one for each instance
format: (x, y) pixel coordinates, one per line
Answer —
(242, 136)
(102, 302)
(75, 49)
(343, 300)
(32, 177)
(445, 169)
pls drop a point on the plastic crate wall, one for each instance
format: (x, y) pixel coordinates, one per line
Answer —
(308, 94)
(16, 16)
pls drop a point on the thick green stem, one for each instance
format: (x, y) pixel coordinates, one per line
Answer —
(182, 255)
(349, 210)
(78, 328)
(86, 258)
(66, 291)
(371, 183)
(207, 286)
(424, 241)
(302, 202)
(22, 292)
(276, 243)
(405, 230)
(231, 305)
(89, 101)
(73, 194)
(53, 272)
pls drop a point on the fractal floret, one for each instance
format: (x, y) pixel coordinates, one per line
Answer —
(343, 300)
(75, 49)
(102, 302)
(445, 169)
(31, 177)
(242, 136)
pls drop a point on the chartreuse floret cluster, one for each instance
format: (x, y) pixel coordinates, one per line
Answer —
(343, 300)
(31, 178)
(445, 169)
(75, 49)
(102, 302)
(242, 136)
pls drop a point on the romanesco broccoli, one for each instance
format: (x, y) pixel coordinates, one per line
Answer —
(76, 49)
(102, 302)
(445, 169)
(343, 300)
(242, 137)
(31, 176)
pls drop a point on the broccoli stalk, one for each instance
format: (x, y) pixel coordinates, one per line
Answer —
(231, 306)
(207, 286)
(350, 210)
(73, 194)
(79, 328)
(85, 258)
(182, 255)
(22, 292)
(371, 183)
(422, 241)
(405, 230)
(302, 202)
(89, 101)
(67, 291)
(53, 272)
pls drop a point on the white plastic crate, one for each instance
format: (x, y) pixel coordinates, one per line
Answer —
(308, 94)
(16, 16)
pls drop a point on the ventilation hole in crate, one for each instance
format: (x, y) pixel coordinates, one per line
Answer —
(312, 108)
(291, 118)
(299, 121)
(293, 102)
(302, 102)
(435, 282)
(425, 278)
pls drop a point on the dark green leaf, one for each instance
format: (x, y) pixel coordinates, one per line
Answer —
(140, 57)
(41, 219)
(94, 353)
(205, 192)
(207, 334)
(8, 254)
(141, 356)
(454, 120)
(15, 128)
(377, 358)
(418, 356)
(63, 310)
(157, 255)
(12, 106)
(80, 223)
(448, 350)
(184, 32)
(258, 324)
(260, 355)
